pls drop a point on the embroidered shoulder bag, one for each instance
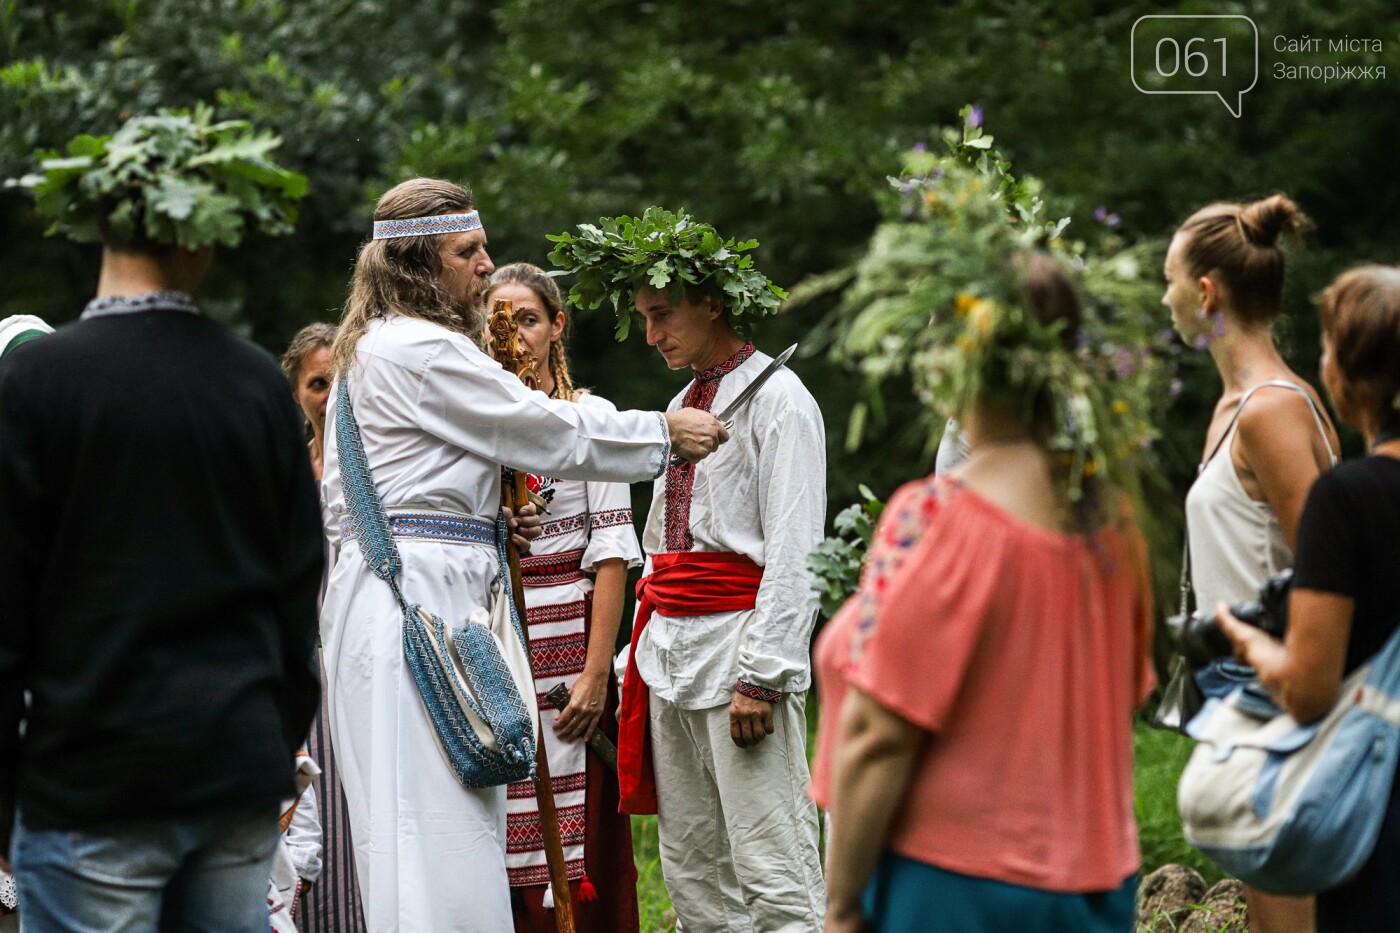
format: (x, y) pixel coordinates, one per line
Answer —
(472, 679)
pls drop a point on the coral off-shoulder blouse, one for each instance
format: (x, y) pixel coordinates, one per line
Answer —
(1024, 652)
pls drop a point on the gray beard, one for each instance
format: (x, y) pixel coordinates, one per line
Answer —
(472, 311)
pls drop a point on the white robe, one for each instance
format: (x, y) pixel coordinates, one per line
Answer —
(437, 417)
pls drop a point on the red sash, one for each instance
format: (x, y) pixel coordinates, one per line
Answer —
(681, 583)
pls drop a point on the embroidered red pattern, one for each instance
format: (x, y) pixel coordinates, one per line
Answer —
(556, 657)
(564, 526)
(609, 519)
(680, 480)
(563, 612)
(755, 692)
(539, 874)
(562, 784)
(552, 569)
(523, 832)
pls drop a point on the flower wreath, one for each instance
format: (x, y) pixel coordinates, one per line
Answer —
(938, 298)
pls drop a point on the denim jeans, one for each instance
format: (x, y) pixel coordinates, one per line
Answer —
(201, 875)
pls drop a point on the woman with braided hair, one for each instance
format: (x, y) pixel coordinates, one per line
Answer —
(573, 635)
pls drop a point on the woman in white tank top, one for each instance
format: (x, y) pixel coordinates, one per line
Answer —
(1268, 439)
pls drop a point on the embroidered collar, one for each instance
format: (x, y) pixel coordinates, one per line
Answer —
(145, 301)
(728, 366)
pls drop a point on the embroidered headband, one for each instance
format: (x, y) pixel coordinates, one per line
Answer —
(423, 226)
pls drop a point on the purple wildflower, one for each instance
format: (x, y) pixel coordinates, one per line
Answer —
(1166, 336)
(1102, 215)
(1124, 363)
(921, 146)
(974, 116)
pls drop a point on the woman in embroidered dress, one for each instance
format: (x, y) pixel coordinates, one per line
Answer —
(1268, 439)
(573, 635)
(976, 752)
(330, 901)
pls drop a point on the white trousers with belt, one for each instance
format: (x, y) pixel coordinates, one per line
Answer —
(738, 832)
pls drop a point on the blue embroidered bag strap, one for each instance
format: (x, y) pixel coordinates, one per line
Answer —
(490, 691)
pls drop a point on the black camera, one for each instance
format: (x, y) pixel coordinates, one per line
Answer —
(1198, 636)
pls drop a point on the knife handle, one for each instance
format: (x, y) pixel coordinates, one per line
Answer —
(602, 746)
(678, 461)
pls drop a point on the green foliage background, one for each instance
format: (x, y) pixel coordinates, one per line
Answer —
(776, 120)
(772, 120)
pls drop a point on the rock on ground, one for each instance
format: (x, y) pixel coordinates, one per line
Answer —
(1174, 899)
(1167, 897)
(1222, 910)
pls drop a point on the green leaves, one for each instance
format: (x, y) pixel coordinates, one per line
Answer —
(837, 562)
(176, 178)
(618, 256)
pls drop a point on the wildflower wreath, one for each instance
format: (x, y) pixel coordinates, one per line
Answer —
(619, 256)
(937, 298)
(177, 178)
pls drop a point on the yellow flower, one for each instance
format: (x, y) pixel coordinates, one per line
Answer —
(1091, 468)
(930, 199)
(1121, 407)
(964, 303)
(966, 344)
(980, 314)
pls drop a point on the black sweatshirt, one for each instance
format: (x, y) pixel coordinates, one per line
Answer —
(160, 556)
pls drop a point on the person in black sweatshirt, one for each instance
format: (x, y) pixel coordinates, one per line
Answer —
(160, 555)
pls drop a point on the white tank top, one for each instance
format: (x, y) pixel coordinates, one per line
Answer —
(1236, 542)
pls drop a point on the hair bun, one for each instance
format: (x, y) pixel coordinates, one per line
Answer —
(1263, 221)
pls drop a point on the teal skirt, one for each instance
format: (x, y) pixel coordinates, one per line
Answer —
(907, 896)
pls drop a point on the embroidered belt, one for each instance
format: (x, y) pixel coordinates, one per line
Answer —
(441, 526)
(552, 569)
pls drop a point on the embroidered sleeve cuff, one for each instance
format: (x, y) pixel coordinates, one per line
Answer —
(755, 692)
(666, 449)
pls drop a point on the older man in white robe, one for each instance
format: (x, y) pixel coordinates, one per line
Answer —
(438, 418)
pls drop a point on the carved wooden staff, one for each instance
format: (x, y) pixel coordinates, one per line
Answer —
(508, 351)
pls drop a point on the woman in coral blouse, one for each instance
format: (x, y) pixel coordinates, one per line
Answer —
(976, 758)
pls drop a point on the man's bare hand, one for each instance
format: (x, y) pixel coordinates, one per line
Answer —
(750, 720)
(695, 434)
(525, 526)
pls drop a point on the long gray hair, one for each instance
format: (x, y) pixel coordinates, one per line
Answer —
(400, 274)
